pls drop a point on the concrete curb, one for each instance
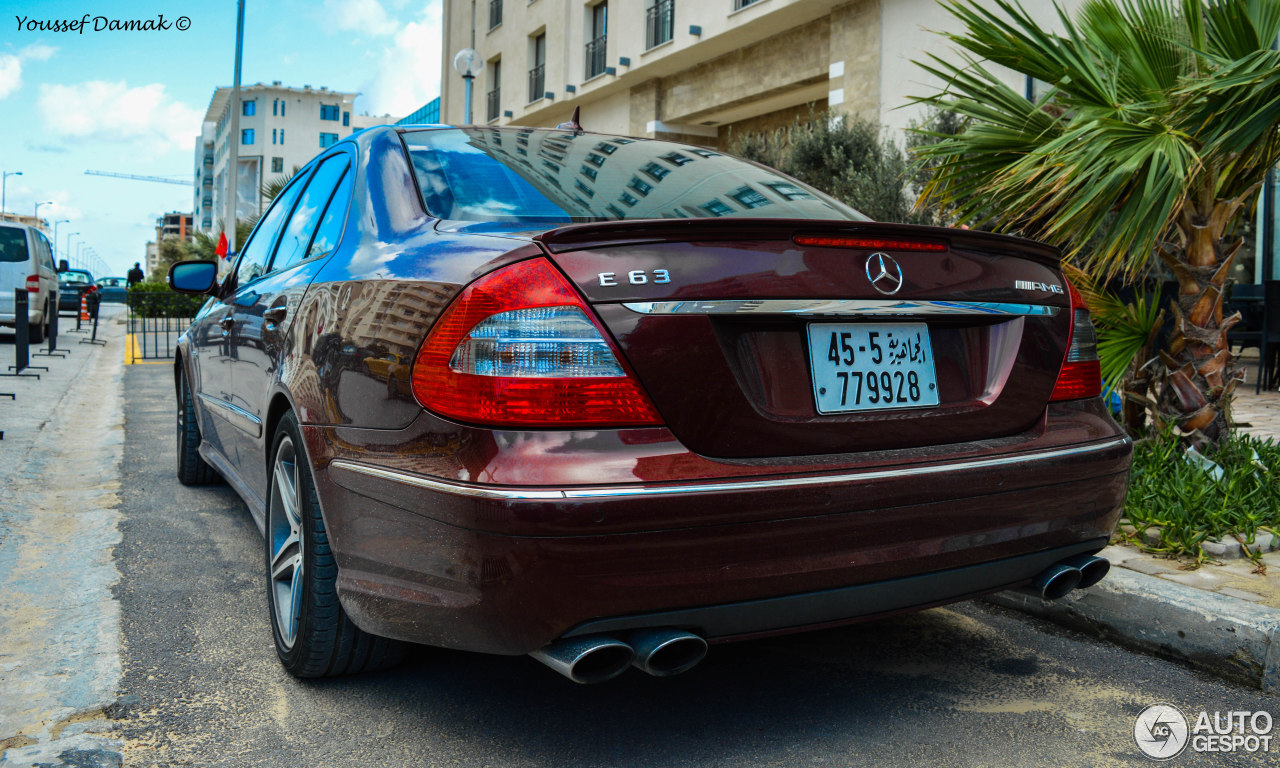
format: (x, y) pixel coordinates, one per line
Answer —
(1226, 636)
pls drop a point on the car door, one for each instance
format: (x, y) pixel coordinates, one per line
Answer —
(264, 315)
(224, 342)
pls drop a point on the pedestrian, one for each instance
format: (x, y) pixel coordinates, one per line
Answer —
(135, 274)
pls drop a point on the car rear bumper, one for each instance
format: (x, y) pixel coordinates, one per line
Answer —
(434, 561)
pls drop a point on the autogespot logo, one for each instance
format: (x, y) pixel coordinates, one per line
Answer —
(1161, 731)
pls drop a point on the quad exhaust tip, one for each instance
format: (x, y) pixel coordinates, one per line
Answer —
(597, 658)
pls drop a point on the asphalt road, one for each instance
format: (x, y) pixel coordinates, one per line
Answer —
(969, 685)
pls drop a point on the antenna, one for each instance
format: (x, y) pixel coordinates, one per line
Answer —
(573, 124)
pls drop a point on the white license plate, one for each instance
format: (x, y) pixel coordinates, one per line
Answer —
(871, 366)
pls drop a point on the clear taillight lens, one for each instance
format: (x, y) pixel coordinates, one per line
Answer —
(1081, 373)
(543, 342)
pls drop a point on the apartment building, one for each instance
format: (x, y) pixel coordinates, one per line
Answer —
(281, 129)
(693, 70)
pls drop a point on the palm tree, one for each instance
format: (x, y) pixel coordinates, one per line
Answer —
(1158, 124)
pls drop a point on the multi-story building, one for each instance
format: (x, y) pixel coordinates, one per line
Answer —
(427, 114)
(699, 71)
(281, 129)
(174, 224)
(31, 221)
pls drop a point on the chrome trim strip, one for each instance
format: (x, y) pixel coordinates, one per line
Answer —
(840, 307)
(493, 492)
(238, 416)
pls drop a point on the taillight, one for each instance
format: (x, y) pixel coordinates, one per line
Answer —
(33, 284)
(519, 347)
(1081, 375)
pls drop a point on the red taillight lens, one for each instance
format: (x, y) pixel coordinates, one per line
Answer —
(519, 347)
(33, 284)
(869, 243)
(1081, 374)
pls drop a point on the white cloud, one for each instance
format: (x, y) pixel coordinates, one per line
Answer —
(408, 74)
(21, 198)
(365, 16)
(11, 66)
(143, 115)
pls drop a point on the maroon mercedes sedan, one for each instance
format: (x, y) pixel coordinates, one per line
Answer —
(606, 401)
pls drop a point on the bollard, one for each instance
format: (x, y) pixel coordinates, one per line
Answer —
(21, 337)
(53, 350)
(94, 301)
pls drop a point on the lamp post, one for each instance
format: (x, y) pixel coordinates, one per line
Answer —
(35, 214)
(468, 64)
(233, 141)
(69, 236)
(4, 179)
(55, 237)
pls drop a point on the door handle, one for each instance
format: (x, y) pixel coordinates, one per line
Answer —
(227, 324)
(275, 314)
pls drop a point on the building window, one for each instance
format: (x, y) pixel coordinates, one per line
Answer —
(615, 210)
(495, 13)
(597, 40)
(640, 185)
(282, 130)
(537, 73)
(277, 165)
(716, 208)
(584, 188)
(493, 99)
(246, 136)
(628, 199)
(749, 198)
(608, 149)
(329, 112)
(275, 107)
(249, 108)
(590, 173)
(676, 159)
(328, 140)
(346, 119)
(596, 160)
(740, 4)
(705, 153)
(659, 22)
(282, 102)
(273, 135)
(655, 171)
(788, 191)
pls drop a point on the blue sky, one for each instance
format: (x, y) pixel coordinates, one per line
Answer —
(132, 102)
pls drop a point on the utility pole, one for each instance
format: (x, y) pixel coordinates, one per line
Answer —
(233, 153)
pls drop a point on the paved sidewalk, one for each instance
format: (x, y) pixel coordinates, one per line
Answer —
(60, 475)
(1223, 617)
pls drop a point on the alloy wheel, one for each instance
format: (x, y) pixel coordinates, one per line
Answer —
(285, 532)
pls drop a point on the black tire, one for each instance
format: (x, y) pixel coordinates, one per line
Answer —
(192, 469)
(324, 642)
(38, 333)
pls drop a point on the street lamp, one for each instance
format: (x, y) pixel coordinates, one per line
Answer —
(469, 65)
(35, 214)
(55, 236)
(4, 178)
(69, 236)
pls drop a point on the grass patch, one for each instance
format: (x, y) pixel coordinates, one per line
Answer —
(1190, 505)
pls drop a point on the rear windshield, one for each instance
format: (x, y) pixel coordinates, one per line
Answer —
(13, 244)
(529, 176)
(73, 277)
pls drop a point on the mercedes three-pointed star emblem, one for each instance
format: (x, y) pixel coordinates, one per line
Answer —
(884, 273)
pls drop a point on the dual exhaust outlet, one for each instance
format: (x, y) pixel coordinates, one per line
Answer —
(1076, 572)
(597, 658)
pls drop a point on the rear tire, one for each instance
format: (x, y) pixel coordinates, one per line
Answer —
(313, 636)
(39, 333)
(192, 469)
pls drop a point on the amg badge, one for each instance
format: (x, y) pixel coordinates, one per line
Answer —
(1027, 285)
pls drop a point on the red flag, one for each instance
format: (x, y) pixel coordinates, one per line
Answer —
(222, 246)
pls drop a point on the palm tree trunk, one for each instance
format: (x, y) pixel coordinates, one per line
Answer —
(1199, 373)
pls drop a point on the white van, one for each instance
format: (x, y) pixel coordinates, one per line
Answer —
(26, 262)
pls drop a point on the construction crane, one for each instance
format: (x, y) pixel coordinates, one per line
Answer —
(136, 177)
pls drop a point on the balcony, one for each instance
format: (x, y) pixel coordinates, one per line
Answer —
(495, 13)
(659, 23)
(492, 101)
(595, 57)
(537, 82)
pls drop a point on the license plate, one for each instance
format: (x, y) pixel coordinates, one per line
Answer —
(871, 366)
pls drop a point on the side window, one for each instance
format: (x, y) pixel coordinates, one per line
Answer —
(43, 256)
(257, 252)
(297, 233)
(330, 228)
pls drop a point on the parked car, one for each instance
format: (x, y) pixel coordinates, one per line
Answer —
(658, 397)
(113, 289)
(26, 262)
(72, 284)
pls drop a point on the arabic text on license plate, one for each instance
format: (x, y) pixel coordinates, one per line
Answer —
(871, 366)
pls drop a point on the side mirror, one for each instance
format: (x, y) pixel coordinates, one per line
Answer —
(193, 276)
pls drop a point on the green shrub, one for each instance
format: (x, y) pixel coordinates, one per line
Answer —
(1189, 505)
(155, 299)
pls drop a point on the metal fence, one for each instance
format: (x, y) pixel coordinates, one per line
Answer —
(156, 320)
(659, 23)
(596, 56)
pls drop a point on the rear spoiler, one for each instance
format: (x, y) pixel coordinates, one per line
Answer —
(639, 232)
